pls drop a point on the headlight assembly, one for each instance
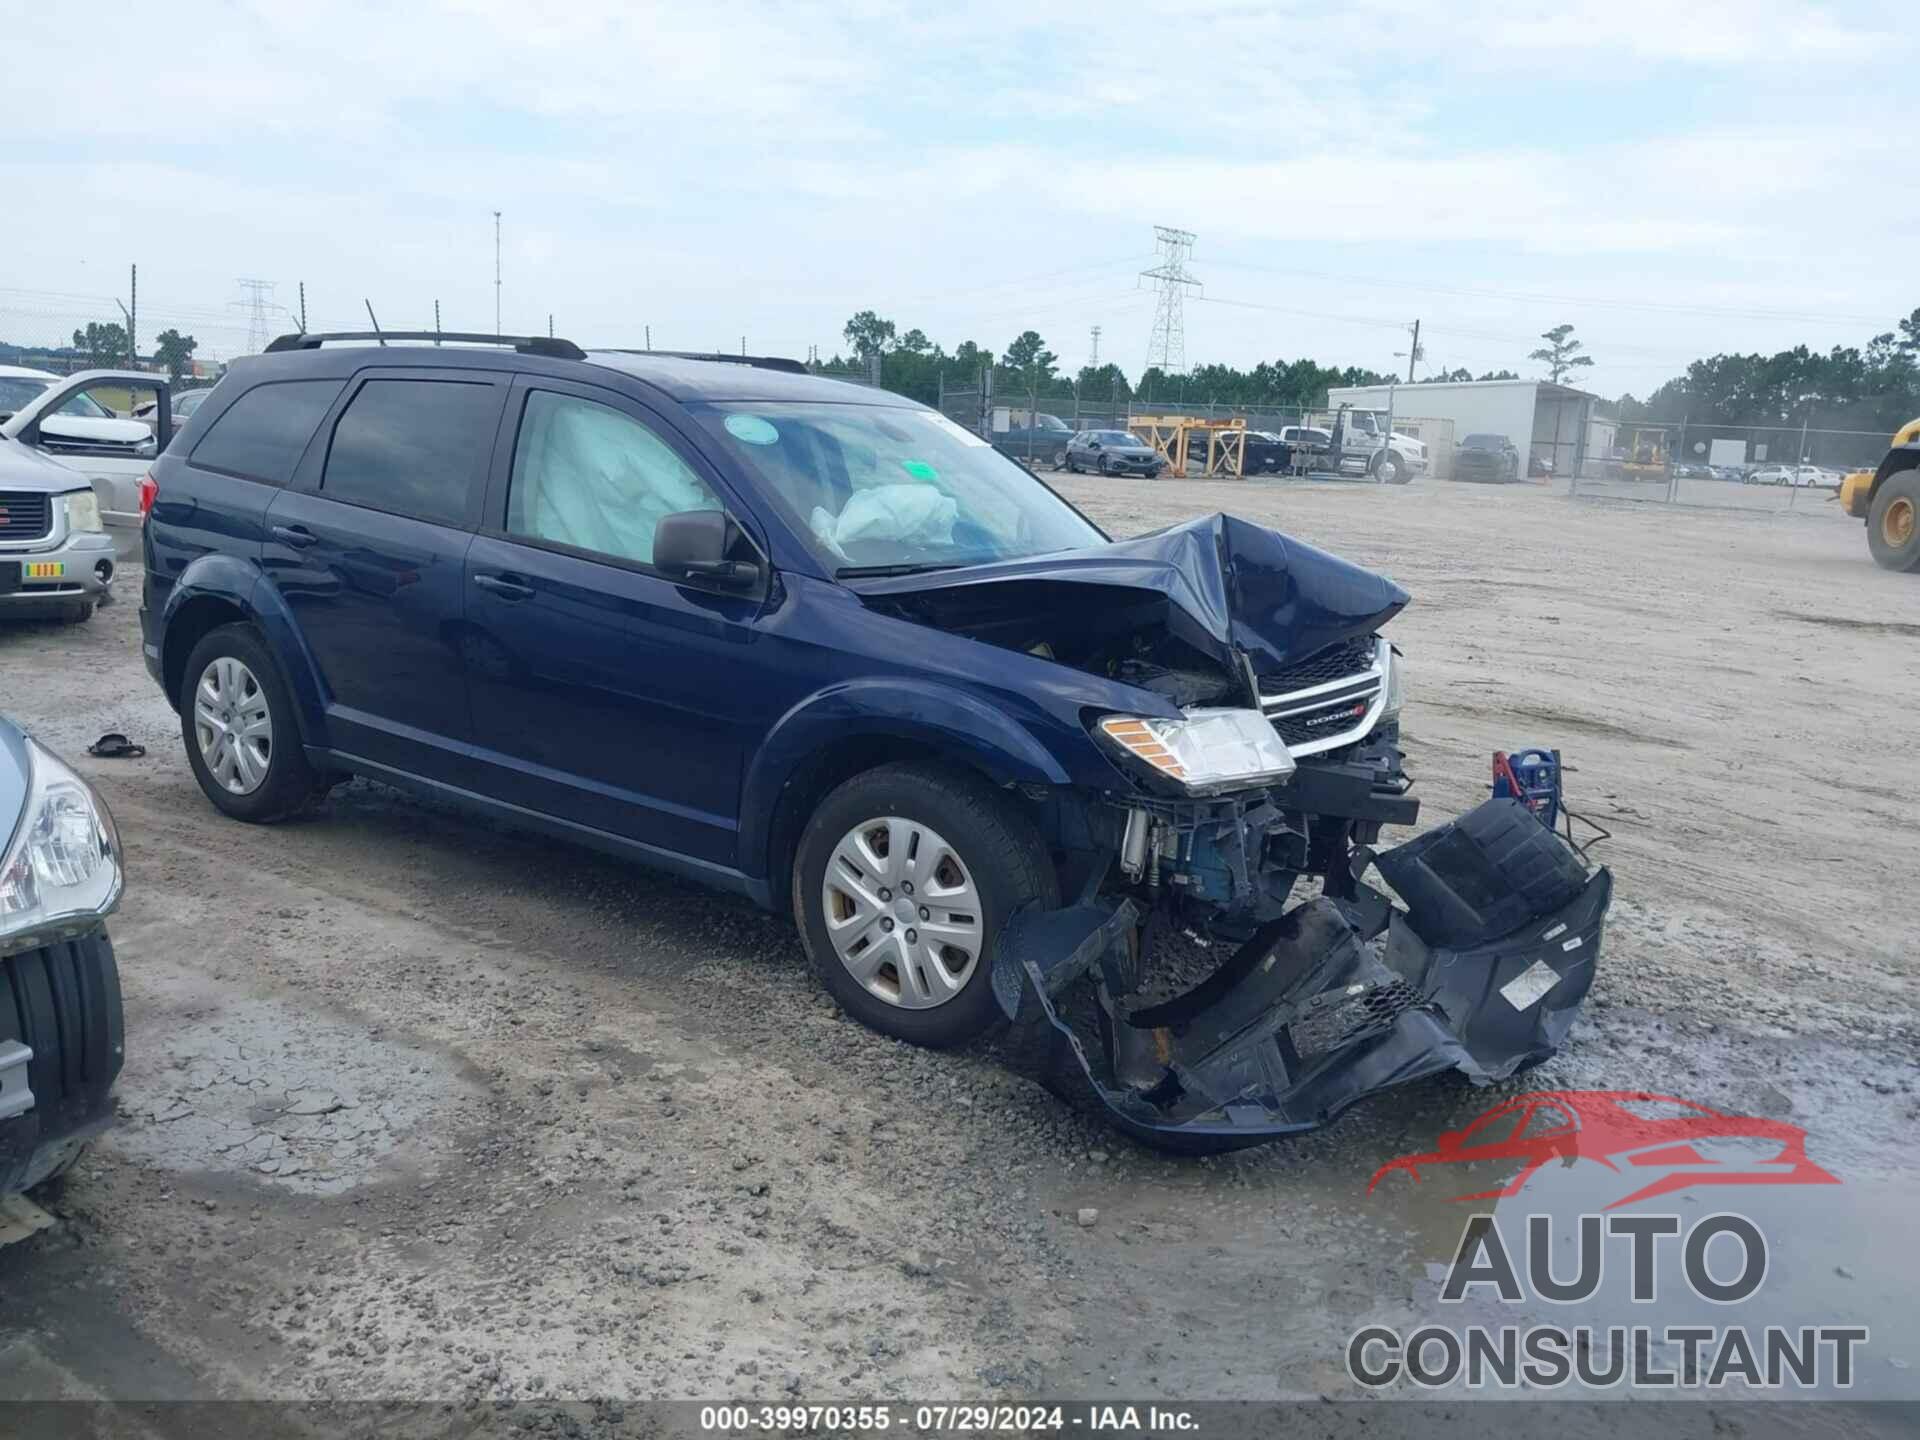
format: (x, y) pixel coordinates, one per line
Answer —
(83, 510)
(61, 872)
(1204, 752)
(1396, 685)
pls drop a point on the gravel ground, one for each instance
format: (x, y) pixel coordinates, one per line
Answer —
(416, 1107)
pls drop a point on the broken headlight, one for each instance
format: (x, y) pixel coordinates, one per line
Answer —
(62, 871)
(1204, 752)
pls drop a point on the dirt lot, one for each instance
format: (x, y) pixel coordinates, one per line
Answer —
(416, 1107)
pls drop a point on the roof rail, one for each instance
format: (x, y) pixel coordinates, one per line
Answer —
(759, 362)
(525, 344)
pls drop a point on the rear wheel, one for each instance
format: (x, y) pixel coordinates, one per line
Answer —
(1892, 532)
(902, 883)
(236, 719)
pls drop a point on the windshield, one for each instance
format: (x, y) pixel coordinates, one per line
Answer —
(1484, 442)
(86, 407)
(879, 488)
(1114, 437)
(18, 390)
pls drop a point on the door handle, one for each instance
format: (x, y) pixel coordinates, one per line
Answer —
(505, 586)
(298, 536)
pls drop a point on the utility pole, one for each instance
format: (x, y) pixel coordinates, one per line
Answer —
(1093, 362)
(549, 324)
(649, 330)
(303, 310)
(133, 315)
(1414, 354)
(1167, 347)
(743, 347)
(436, 322)
(496, 273)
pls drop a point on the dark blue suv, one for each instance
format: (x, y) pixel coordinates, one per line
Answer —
(821, 646)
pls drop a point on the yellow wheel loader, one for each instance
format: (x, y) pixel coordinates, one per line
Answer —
(1888, 499)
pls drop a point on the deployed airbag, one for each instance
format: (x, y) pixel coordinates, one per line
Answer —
(902, 514)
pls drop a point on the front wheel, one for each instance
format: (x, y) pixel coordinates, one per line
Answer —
(902, 883)
(1892, 532)
(1388, 469)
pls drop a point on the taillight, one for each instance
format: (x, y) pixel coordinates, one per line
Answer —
(149, 488)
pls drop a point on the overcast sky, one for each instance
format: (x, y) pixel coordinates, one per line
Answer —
(1673, 178)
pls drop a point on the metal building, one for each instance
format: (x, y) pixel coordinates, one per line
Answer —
(1545, 421)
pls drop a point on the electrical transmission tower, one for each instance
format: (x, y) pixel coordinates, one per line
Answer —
(1094, 360)
(1168, 347)
(259, 300)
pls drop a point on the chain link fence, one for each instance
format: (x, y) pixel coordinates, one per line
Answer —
(1731, 467)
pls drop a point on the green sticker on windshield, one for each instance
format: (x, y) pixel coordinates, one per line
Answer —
(920, 470)
(752, 429)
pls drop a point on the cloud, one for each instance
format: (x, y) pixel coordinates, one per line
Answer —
(736, 165)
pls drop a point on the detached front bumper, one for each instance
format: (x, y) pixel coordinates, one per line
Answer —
(62, 1041)
(1332, 1002)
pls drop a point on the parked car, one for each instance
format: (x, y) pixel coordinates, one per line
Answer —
(1687, 470)
(1486, 457)
(64, 421)
(816, 644)
(1043, 442)
(185, 402)
(55, 560)
(1265, 453)
(62, 1037)
(1796, 475)
(1113, 452)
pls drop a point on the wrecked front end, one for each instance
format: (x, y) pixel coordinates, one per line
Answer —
(1198, 1020)
(1223, 972)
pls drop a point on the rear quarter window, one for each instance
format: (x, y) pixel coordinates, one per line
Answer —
(262, 435)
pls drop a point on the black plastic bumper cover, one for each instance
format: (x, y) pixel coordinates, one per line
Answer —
(1482, 975)
(62, 1003)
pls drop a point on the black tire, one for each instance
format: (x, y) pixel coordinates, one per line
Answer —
(291, 784)
(997, 844)
(1109, 468)
(1897, 497)
(1059, 458)
(80, 613)
(1388, 469)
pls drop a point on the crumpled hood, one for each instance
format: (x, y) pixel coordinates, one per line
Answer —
(1234, 586)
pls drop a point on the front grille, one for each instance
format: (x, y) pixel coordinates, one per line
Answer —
(1320, 724)
(25, 515)
(1339, 1017)
(1335, 662)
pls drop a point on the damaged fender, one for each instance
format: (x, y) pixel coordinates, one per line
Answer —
(1326, 1005)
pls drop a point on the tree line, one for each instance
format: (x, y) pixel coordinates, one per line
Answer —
(1872, 387)
(911, 364)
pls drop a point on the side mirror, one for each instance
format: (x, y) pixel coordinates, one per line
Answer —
(694, 544)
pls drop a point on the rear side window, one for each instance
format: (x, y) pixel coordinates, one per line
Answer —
(263, 433)
(413, 447)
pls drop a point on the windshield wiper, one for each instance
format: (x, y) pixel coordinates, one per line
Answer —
(875, 572)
